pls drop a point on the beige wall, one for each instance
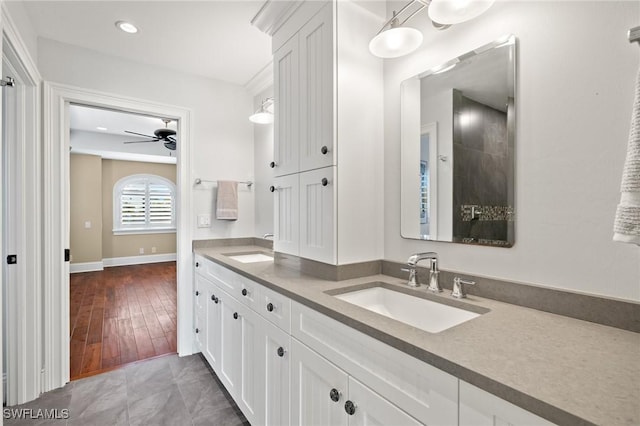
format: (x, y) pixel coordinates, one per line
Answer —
(86, 206)
(130, 245)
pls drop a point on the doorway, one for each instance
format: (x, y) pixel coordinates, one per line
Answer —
(122, 238)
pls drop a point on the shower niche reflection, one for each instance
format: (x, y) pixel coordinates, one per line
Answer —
(458, 141)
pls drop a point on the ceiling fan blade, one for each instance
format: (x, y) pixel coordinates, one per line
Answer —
(140, 134)
(153, 140)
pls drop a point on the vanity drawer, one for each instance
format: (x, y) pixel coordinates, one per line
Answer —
(275, 307)
(221, 276)
(423, 391)
(247, 292)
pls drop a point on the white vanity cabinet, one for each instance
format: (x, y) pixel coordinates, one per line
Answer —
(480, 408)
(329, 115)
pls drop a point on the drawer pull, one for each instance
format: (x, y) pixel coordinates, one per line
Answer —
(235, 315)
(325, 182)
(270, 307)
(324, 150)
(272, 164)
(350, 408)
(281, 351)
(334, 395)
(244, 292)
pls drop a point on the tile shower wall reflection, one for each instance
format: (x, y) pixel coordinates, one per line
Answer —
(483, 210)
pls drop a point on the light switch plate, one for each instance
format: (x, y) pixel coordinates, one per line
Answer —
(87, 224)
(204, 220)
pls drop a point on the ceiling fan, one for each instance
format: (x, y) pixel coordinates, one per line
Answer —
(165, 135)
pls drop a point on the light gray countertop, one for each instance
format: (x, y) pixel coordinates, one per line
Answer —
(563, 369)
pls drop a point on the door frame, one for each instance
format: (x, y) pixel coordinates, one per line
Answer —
(24, 359)
(56, 100)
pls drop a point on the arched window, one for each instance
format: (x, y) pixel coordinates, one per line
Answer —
(144, 204)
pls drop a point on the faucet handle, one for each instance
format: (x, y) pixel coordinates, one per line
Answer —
(412, 277)
(458, 287)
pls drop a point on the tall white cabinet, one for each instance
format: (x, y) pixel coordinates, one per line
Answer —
(328, 133)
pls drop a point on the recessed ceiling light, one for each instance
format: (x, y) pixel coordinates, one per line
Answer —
(101, 128)
(127, 27)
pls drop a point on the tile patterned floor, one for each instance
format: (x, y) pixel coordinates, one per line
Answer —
(121, 315)
(168, 390)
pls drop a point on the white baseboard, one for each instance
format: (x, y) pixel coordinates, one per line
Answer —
(86, 267)
(138, 260)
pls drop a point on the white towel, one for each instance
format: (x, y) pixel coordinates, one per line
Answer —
(626, 227)
(227, 202)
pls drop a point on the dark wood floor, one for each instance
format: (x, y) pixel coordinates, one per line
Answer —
(121, 315)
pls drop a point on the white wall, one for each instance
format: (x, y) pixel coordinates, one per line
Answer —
(263, 151)
(576, 73)
(222, 136)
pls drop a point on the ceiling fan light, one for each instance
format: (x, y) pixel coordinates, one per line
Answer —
(451, 12)
(395, 42)
(127, 27)
(261, 117)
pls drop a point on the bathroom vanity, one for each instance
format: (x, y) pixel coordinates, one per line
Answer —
(290, 352)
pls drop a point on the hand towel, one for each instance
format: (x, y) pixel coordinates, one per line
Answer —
(227, 203)
(626, 227)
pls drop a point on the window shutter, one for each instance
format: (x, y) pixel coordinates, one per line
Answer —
(133, 202)
(160, 204)
(144, 202)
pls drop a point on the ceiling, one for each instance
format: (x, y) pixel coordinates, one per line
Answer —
(209, 38)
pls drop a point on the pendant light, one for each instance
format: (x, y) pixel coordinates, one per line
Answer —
(451, 12)
(263, 115)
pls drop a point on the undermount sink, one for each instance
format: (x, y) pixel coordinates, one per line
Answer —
(251, 257)
(424, 314)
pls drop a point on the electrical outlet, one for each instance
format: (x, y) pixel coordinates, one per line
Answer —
(204, 220)
(141, 250)
(153, 249)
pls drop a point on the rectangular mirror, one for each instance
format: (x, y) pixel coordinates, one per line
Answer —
(457, 149)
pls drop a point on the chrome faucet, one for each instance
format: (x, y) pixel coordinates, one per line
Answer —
(434, 283)
(267, 235)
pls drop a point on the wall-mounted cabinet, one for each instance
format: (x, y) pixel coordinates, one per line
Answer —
(329, 113)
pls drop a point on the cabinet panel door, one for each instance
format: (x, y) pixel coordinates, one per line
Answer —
(372, 409)
(276, 385)
(230, 342)
(312, 380)
(286, 233)
(480, 408)
(287, 115)
(317, 215)
(211, 349)
(200, 331)
(251, 368)
(316, 91)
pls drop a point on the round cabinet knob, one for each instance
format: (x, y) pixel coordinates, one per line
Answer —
(272, 164)
(235, 315)
(197, 264)
(324, 150)
(216, 300)
(270, 307)
(350, 408)
(197, 293)
(213, 297)
(325, 182)
(272, 188)
(197, 330)
(244, 292)
(280, 351)
(334, 395)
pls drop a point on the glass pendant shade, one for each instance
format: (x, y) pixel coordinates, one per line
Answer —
(261, 117)
(451, 12)
(395, 42)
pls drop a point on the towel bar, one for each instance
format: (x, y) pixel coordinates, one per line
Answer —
(634, 34)
(199, 181)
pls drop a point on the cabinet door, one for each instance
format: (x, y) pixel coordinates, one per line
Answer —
(317, 215)
(313, 379)
(286, 233)
(211, 350)
(480, 408)
(200, 331)
(230, 341)
(369, 408)
(316, 91)
(276, 348)
(287, 114)
(250, 397)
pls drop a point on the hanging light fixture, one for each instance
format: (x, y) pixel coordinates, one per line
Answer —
(451, 12)
(264, 114)
(395, 40)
